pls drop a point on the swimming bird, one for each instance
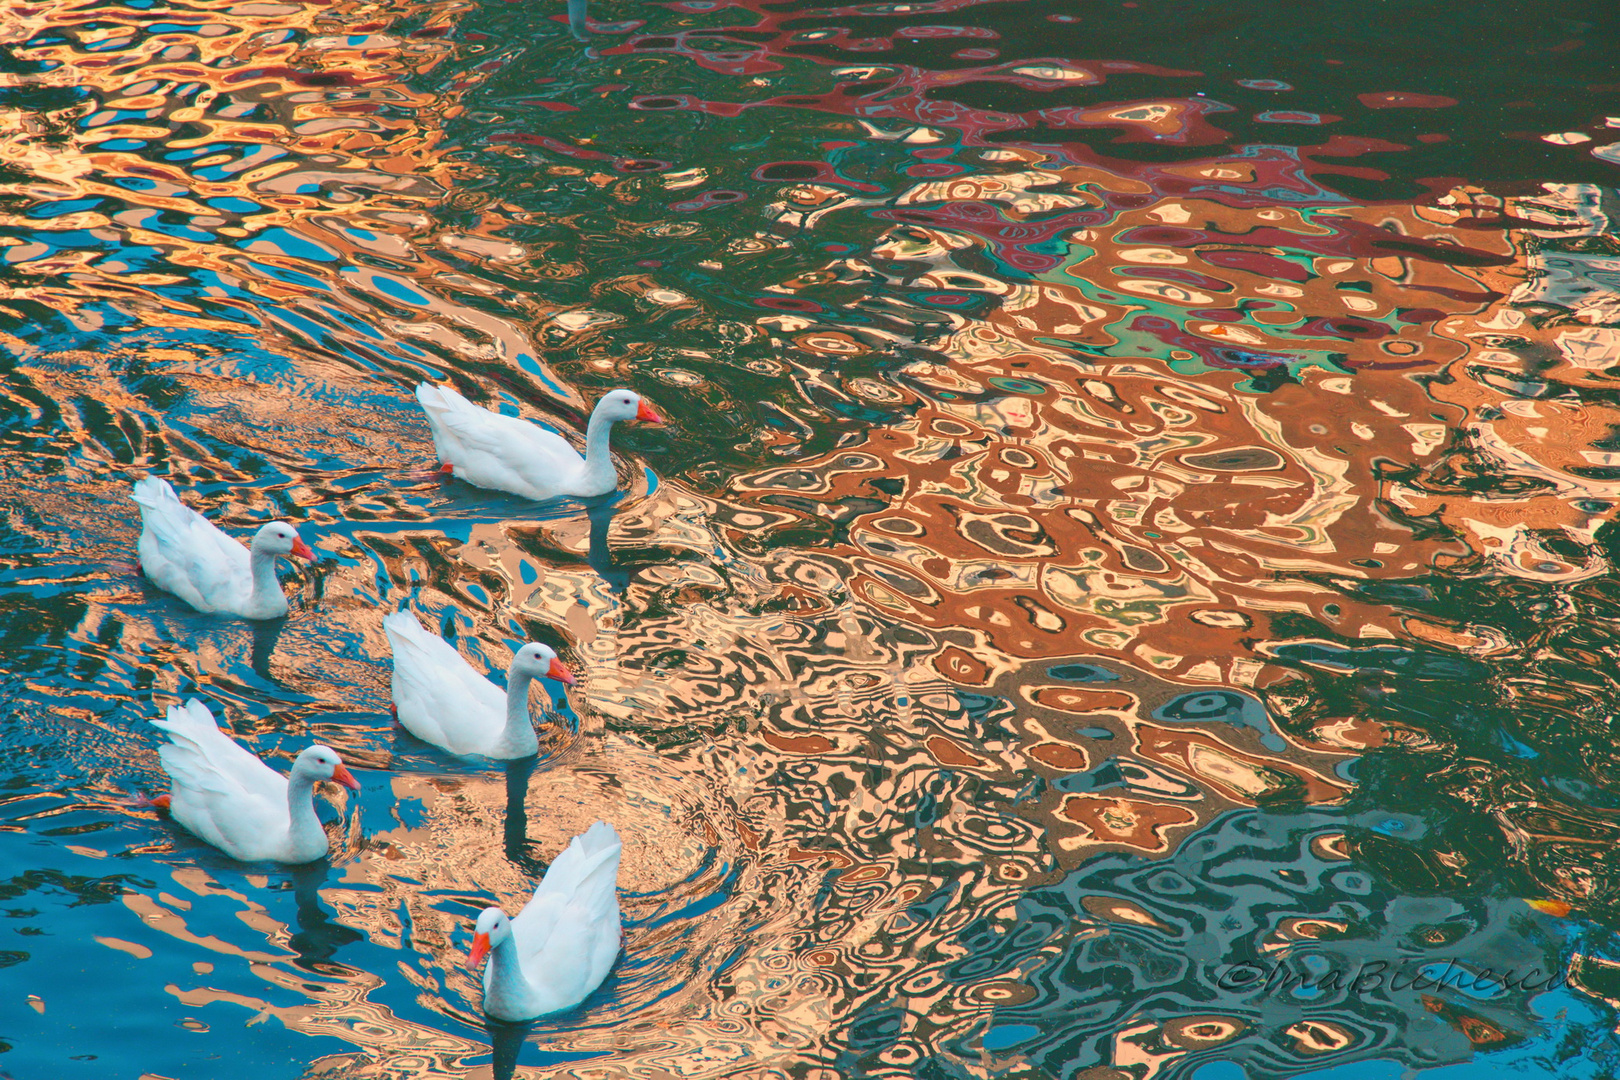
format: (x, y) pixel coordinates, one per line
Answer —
(184, 554)
(560, 946)
(224, 794)
(440, 699)
(505, 453)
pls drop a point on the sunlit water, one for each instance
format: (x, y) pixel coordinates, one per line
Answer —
(1134, 512)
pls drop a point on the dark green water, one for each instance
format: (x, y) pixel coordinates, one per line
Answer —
(1126, 589)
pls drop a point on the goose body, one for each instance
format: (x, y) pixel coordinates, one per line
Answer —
(504, 453)
(182, 553)
(440, 699)
(560, 947)
(227, 796)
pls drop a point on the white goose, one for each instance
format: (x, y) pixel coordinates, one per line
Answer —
(184, 554)
(560, 946)
(504, 453)
(224, 794)
(440, 699)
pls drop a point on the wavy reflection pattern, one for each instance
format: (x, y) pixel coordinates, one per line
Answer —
(1065, 556)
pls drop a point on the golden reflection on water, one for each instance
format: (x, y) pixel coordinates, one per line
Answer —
(298, 167)
(1037, 635)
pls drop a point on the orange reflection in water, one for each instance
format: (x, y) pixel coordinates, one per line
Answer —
(832, 735)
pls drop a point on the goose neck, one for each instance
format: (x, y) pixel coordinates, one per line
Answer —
(599, 478)
(519, 734)
(506, 988)
(304, 832)
(267, 595)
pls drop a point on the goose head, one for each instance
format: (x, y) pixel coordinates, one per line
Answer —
(492, 928)
(280, 538)
(626, 405)
(540, 661)
(322, 763)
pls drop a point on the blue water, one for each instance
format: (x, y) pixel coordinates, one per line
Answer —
(1137, 504)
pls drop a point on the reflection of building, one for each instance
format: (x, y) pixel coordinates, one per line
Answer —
(305, 977)
(1035, 499)
(1528, 479)
(1067, 468)
(1060, 478)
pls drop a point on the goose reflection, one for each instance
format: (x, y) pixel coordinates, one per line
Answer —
(266, 635)
(518, 773)
(617, 571)
(506, 1039)
(576, 20)
(318, 937)
(600, 513)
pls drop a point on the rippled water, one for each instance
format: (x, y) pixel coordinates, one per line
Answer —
(1135, 511)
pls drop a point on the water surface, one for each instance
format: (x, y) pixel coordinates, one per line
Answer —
(1135, 511)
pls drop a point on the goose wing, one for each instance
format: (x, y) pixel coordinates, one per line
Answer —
(434, 686)
(211, 759)
(438, 402)
(183, 552)
(480, 442)
(577, 898)
(223, 793)
(569, 934)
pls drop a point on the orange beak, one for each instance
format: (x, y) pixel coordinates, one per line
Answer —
(342, 775)
(303, 551)
(480, 950)
(645, 412)
(560, 673)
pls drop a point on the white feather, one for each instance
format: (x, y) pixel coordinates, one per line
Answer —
(441, 699)
(566, 938)
(504, 453)
(184, 554)
(228, 797)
